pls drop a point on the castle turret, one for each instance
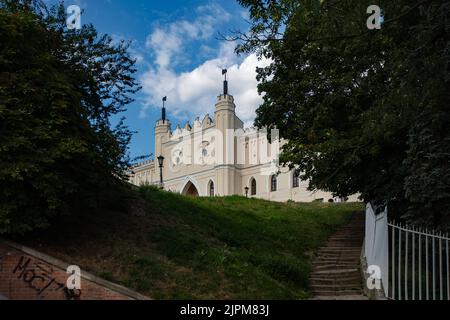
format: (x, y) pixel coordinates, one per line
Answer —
(162, 130)
(225, 124)
(225, 108)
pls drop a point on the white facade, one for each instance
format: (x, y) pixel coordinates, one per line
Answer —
(218, 157)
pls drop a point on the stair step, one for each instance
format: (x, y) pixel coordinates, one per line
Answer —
(341, 237)
(321, 261)
(336, 262)
(332, 267)
(339, 250)
(335, 281)
(342, 297)
(353, 243)
(335, 248)
(344, 292)
(345, 236)
(331, 287)
(338, 258)
(340, 254)
(342, 243)
(336, 277)
(339, 271)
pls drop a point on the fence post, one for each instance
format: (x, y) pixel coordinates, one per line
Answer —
(376, 243)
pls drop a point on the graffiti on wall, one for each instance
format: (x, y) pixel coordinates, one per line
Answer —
(30, 275)
(40, 277)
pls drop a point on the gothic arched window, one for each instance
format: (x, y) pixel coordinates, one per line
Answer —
(295, 179)
(253, 187)
(211, 189)
(273, 183)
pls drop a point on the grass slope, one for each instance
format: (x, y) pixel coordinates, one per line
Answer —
(199, 248)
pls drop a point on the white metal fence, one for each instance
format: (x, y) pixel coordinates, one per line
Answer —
(414, 262)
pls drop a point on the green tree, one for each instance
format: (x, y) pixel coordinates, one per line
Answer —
(58, 89)
(365, 111)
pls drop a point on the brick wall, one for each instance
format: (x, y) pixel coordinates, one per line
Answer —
(26, 274)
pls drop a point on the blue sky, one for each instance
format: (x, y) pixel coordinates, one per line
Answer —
(179, 56)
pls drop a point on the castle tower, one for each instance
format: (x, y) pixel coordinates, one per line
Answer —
(162, 132)
(225, 124)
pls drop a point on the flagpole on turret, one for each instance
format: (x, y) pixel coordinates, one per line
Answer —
(163, 115)
(225, 82)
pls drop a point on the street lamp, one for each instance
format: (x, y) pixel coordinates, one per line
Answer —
(161, 165)
(246, 191)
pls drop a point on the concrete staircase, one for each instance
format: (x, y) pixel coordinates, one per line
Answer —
(336, 271)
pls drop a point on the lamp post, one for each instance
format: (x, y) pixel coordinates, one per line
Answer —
(161, 165)
(246, 191)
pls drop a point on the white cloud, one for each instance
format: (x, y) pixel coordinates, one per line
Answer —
(194, 93)
(168, 42)
(165, 45)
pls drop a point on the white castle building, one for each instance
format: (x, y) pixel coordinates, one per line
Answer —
(219, 157)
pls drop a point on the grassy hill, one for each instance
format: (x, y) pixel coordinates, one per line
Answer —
(199, 248)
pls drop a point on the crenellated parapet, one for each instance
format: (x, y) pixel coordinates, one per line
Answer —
(142, 164)
(207, 122)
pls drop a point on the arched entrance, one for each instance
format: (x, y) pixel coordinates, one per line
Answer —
(190, 190)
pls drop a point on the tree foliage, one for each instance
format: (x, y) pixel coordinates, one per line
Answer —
(365, 111)
(59, 152)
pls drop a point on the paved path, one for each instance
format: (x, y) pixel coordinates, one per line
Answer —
(336, 271)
